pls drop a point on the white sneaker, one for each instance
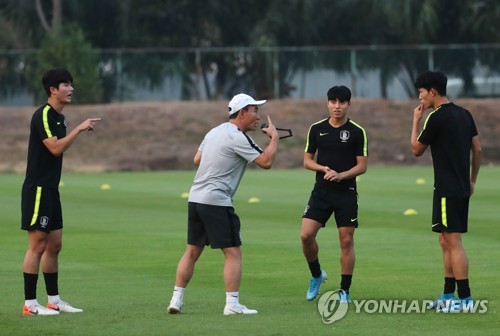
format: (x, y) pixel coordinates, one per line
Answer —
(175, 306)
(63, 307)
(38, 309)
(238, 309)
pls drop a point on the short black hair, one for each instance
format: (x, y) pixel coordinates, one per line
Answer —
(234, 115)
(54, 77)
(436, 80)
(341, 93)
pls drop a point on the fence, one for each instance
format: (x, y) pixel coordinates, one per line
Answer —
(272, 72)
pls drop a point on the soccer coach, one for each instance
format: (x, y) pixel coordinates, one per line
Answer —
(222, 158)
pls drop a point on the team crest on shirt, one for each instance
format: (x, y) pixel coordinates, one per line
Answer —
(344, 136)
(44, 221)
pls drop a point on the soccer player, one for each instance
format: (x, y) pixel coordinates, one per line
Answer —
(222, 158)
(342, 155)
(451, 132)
(40, 204)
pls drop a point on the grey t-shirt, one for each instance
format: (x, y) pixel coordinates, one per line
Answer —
(226, 152)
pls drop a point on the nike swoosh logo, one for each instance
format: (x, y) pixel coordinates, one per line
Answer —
(433, 225)
(232, 310)
(59, 123)
(321, 134)
(353, 220)
(34, 312)
(53, 307)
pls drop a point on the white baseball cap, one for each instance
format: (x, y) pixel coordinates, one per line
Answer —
(242, 100)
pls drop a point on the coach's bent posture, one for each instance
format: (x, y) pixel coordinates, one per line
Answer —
(451, 132)
(222, 159)
(40, 204)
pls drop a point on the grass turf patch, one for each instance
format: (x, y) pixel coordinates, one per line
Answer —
(121, 248)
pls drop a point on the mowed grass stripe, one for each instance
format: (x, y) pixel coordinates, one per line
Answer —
(122, 245)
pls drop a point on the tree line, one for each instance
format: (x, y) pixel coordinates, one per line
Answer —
(86, 36)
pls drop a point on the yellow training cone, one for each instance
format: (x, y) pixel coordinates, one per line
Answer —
(253, 200)
(420, 181)
(185, 195)
(410, 212)
(105, 186)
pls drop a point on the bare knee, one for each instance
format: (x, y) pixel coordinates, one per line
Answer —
(307, 238)
(309, 231)
(443, 243)
(39, 248)
(346, 242)
(54, 248)
(193, 252)
(450, 241)
(38, 243)
(232, 253)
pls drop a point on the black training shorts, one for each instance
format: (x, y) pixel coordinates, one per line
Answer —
(217, 226)
(41, 209)
(325, 201)
(450, 214)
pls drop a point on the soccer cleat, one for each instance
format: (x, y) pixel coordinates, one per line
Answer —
(238, 309)
(457, 306)
(344, 297)
(175, 306)
(65, 307)
(313, 290)
(441, 301)
(38, 309)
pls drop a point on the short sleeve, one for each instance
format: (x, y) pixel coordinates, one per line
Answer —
(41, 126)
(200, 148)
(311, 145)
(245, 147)
(362, 143)
(428, 132)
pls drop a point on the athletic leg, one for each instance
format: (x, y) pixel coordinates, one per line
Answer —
(37, 244)
(458, 258)
(232, 280)
(50, 262)
(308, 233)
(232, 268)
(449, 277)
(185, 268)
(459, 262)
(310, 248)
(448, 270)
(31, 265)
(347, 261)
(184, 273)
(347, 255)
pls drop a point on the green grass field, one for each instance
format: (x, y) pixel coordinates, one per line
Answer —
(121, 248)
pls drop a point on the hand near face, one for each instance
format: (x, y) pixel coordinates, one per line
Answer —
(418, 112)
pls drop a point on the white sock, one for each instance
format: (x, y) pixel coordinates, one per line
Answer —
(232, 298)
(54, 299)
(29, 303)
(178, 292)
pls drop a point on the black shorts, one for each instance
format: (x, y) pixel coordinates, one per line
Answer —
(41, 209)
(450, 214)
(217, 226)
(325, 201)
